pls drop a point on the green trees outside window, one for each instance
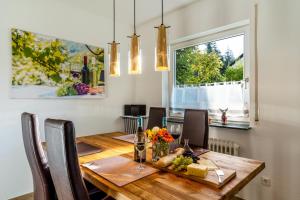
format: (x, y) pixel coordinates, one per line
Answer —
(195, 65)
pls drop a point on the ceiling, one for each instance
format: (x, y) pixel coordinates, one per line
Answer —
(146, 9)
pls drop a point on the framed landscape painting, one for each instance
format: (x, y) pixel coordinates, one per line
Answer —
(47, 67)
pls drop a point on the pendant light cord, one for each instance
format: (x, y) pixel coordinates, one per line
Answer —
(114, 11)
(134, 17)
(162, 11)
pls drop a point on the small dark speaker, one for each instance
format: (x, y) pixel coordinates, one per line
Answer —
(134, 110)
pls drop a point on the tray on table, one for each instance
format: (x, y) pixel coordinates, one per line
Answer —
(119, 170)
(84, 149)
(126, 138)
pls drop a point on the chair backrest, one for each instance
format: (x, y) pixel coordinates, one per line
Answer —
(155, 117)
(195, 128)
(63, 160)
(43, 185)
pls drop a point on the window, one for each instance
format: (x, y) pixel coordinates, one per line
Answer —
(211, 72)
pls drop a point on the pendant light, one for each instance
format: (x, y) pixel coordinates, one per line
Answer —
(114, 50)
(134, 55)
(162, 49)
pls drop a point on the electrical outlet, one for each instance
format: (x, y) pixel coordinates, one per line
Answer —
(265, 181)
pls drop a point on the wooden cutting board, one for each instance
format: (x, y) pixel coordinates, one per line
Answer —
(211, 179)
(126, 138)
(119, 170)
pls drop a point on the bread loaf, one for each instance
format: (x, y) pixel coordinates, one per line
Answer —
(179, 151)
(167, 160)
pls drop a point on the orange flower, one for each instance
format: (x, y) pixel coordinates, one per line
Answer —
(159, 135)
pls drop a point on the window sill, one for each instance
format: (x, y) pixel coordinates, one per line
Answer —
(230, 125)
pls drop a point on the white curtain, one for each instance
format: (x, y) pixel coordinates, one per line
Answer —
(229, 95)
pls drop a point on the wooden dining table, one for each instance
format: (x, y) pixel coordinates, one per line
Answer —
(164, 185)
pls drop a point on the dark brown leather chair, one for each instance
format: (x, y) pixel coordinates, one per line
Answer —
(63, 162)
(195, 128)
(43, 185)
(156, 115)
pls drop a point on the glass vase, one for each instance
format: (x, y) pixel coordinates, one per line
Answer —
(160, 149)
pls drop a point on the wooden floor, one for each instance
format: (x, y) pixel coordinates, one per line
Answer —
(24, 197)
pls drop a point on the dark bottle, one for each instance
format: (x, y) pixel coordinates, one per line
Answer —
(85, 73)
(164, 122)
(140, 143)
(101, 78)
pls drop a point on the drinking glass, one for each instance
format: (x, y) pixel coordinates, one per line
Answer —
(176, 133)
(140, 146)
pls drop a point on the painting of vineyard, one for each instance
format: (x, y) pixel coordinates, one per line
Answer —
(47, 67)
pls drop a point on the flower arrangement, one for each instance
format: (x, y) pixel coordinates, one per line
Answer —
(160, 139)
(159, 135)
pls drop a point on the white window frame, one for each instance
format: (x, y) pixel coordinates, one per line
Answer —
(239, 28)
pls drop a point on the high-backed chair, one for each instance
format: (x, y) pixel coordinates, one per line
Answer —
(195, 128)
(63, 161)
(42, 182)
(156, 115)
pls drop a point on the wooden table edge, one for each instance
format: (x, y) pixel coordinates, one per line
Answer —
(245, 181)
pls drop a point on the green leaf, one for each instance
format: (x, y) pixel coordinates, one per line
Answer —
(28, 52)
(56, 78)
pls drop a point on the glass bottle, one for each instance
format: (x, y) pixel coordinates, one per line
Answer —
(186, 146)
(93, 74)
(164, 122)
(85, 78)
(141, 140)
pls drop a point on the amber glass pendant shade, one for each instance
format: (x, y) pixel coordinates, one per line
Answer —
(162, 49)
(134, 56)
(114, 59)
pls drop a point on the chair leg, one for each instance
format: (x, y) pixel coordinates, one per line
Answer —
(95, 193)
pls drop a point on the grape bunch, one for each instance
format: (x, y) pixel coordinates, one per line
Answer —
(190, 154)
(66, 90)
(181, 162)
(81, 88)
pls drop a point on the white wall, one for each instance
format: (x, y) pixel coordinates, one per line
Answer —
(275, 139)
(54, 18)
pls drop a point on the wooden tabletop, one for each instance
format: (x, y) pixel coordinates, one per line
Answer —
(163, 185)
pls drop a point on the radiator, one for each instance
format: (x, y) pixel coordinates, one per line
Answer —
(130, 124)
(223, 146)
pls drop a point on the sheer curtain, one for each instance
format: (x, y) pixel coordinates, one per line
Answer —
(212, 97)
